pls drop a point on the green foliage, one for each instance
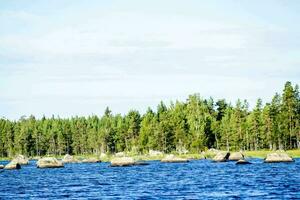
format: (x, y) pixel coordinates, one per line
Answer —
(194, 125)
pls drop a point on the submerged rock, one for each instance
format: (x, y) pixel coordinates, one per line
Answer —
(221, 157)
(122, 162)
(69, 159)
(278, 157)
(49, 162)
(22, 160)
(242, 161)
(12, 165)
(235, 156)
(173, 159)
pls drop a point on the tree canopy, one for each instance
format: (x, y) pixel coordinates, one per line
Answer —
(194, 125)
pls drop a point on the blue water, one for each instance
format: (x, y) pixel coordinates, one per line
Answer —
(199, 179)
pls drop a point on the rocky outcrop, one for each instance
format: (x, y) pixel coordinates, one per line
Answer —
(22, 160)
(91, 160)
(49, 162)
(221, 157)
(69, 159)
(242, 162)
(278, 157)
(122, 162)
(173, 159)
(235, 156)
(1, 166)
(12, 165)
(155, 153)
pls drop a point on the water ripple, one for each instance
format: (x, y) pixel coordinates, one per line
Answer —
(200, 179)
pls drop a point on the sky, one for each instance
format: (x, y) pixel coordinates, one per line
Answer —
(72, 57)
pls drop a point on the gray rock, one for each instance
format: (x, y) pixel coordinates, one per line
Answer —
(12, 165)
(278, 157)
(49, 162)
(1, 166)
(221, 157)
(122, 162)
(22, 160)
(235, 156)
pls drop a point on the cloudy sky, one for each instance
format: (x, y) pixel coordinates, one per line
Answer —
(71, 57)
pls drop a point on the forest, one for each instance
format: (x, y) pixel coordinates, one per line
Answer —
(194, 125)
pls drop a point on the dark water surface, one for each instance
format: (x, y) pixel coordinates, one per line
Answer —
(199, 179)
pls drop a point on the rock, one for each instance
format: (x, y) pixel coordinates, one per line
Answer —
(1, 166)
(173, 159)
(90, 160)
(221, 157)
(120, 154)
(22, 160)
(69, 159)
(49, 162)
(122, 162)
(12, 165)
(278, 157)
(242, 161)
(155, 153)
(235, 156)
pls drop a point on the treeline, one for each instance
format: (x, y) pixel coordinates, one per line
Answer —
(193, 125)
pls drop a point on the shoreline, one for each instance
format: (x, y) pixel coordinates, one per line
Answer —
(144, 157)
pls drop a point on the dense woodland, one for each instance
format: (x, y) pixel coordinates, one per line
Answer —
(194, 125)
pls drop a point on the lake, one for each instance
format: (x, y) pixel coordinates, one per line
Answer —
(198, 179)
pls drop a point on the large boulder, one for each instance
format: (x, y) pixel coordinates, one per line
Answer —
(12, 165)
(122, 162)
(278, 157)
(69, 159)
(235, 156)
(91, 160)
(221, 157)
(173, 159)
(1, 166)
(22, 160)
(49, 162)
(155, 153)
